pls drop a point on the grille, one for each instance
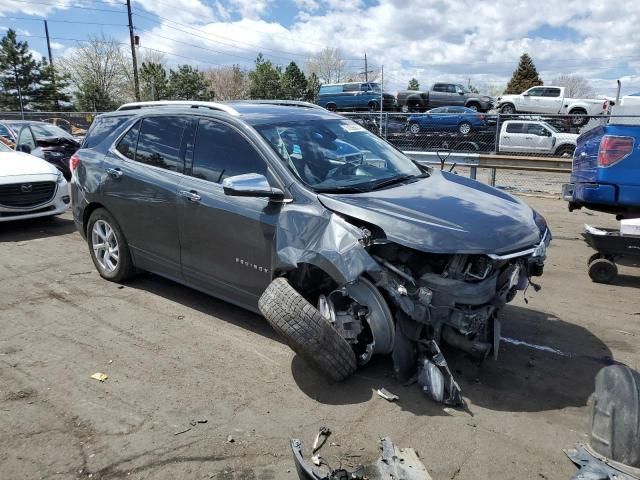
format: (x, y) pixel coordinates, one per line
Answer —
(27, 194)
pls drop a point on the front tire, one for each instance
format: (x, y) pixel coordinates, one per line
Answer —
(508, 109)
(414, 128)
(373, 106)
(306, 331)
(474, 106)
(108, 247)
(464, 128)
(603, 270)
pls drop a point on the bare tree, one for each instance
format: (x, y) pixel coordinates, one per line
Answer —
(97, 69)
(328, 65)
(493, 90)
(575, 86)
(228, 83)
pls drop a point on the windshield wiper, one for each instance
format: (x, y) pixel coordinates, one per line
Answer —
(340, 189)
(393, 180)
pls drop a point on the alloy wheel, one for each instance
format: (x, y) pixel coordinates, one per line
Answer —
(105, 246)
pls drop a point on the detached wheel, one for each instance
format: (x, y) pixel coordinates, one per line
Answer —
(108, 247)
(464, 128)
(602, 270)
(306, 331)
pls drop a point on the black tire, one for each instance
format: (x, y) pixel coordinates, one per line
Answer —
(373, 106)
(474, 106)
(465, 128)
(508, 108)
(125, 268)
(603, 270)
(414, 127)
(331, 107)
(306, 331)
(593, 258)
(579, 117)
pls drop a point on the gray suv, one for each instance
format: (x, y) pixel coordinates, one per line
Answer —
(346, 246)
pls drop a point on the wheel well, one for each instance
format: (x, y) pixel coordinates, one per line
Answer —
(310, 281)
(477, 104)
(88, 210)
(577, 110)
(373, 102)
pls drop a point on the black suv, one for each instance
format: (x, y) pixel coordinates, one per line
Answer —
(345, 245)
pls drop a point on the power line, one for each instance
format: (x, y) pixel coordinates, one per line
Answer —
(68, 6)
(68, 21)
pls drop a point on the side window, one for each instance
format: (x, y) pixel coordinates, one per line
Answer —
(326, 89)
(351, 87)
(25, 137)
(551, 92)
(457, 110)
(220, 152)
(439, 87)
(101, 128)
(439, 110)
(6, 137)
(127, 144)
(536, 92)
(451, 88)
(514, 128)
(536, 129)
(159, 142)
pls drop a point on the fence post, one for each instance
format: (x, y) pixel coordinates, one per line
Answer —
(492, 181)
(386, 125)
(473, 173)
(497, 138)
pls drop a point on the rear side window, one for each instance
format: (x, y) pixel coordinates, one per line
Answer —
(101, 128)
(515, 128)
(551, 92)
(457, 110)
(127, 144)
(330, 89)
(351, 87)
(159, 142)
(440, 87)
(220, 152)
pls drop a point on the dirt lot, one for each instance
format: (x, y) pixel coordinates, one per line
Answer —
(174, 355)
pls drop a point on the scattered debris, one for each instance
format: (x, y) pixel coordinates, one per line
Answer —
(624, 332)
(394, 462)
(596, 467)
(101, 377)
(196, 421)
(182, 431)
(387, 395)
(230, 439)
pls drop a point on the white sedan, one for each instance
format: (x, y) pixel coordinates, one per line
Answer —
(30, 187)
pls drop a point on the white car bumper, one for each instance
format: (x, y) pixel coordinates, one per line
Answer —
(56, 204)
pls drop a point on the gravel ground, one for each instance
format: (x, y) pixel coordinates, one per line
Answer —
(174, 356)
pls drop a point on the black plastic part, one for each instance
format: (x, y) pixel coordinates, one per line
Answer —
(615, 422)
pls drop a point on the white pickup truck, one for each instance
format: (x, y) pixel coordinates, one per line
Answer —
(532, 136)
(552, 100)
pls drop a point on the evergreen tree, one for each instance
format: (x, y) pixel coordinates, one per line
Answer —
(19, 74)
(294, 83)
(264, 81)
(153, 81)
(52, 95)
(313, 87)
(524, 77)
(413, 84)
(187, 83)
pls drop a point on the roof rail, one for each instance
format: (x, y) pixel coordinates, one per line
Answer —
(283, 103)
(179, 103)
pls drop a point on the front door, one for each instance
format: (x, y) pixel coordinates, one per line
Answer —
(539, 138)
(226, 241)
(140, 181)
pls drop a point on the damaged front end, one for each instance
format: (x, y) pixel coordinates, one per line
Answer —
(413, 301)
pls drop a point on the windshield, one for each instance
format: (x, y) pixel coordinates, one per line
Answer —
(374, 87)
(41, 130)
(463, 88)
(338, 155)
(551, 127)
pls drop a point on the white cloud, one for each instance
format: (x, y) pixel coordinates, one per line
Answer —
(251, 9)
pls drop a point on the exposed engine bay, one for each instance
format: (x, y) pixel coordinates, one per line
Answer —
(417, 300)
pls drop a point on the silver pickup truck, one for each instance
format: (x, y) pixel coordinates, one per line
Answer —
(442, 95)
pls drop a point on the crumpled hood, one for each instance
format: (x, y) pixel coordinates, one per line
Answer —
(19, 163)
(444, 213)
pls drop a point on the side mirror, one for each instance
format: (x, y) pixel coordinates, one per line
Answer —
(250, 185)
(24, 148)
(460, 92)
(526, 94)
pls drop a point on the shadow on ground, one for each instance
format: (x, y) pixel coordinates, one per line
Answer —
(35, 228)
(523, 379)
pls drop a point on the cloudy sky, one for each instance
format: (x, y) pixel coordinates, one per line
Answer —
(432, 40)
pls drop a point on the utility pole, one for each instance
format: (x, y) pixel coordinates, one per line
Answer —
(136, 84)
(53, 71)
(366, 69)
(381, 95)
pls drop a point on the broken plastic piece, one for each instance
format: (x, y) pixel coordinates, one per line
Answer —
(596, 467)
(394, 462)
(387, 395)
(321, 437)
(101, 377)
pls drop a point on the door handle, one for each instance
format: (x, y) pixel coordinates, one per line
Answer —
(192, 195)
(115, 172)
(528, 138)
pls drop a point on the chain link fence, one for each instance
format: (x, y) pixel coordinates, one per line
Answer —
(537, 136)
(75, 123)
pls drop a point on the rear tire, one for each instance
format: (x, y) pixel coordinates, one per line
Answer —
(474, 106)
(331, 107)
(579, 117)
(108, 247)
(306, 331)
(464, 128)
(414, 128)
(603, 270)
(373, 106)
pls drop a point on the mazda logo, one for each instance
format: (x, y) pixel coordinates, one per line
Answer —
(26, 187)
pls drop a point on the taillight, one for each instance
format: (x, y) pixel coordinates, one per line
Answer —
(614, 149)
(74, 161)
(480, 117)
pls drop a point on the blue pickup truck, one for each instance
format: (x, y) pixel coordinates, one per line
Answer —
(606, 170)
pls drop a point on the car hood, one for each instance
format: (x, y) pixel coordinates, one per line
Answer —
(444, 213)
(19, 163)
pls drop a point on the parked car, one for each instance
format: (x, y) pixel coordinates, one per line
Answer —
(51, 143)
(315, 222)
(552, 100)
(442, 119)
(76, 132)
(440, 95)
(530, 136)
(354, 96)
(30, 187)
(605, 175)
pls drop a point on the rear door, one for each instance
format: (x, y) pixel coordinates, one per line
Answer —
(512, 137)
(438, 96)
(551, 101)
(351, 95)
(226, 241)
(141, 175)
